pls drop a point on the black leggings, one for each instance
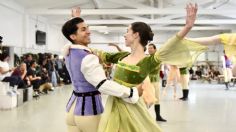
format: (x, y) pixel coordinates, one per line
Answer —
(13, 80)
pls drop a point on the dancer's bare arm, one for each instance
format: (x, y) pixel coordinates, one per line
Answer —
(116, 46)
(207, 40)
(191, 11)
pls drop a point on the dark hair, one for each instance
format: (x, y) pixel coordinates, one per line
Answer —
(153, 45)
(32, 62)
(0, 39)
(55, 56)
(28, 55)
(144, 30)
(144, 49)
(3, 56)
(70, 27)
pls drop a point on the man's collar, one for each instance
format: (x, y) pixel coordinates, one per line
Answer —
(67, 47)
(78, 46)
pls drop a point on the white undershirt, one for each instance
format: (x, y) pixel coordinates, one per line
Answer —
(5, 66)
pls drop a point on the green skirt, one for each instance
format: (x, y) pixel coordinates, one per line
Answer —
(120, 116)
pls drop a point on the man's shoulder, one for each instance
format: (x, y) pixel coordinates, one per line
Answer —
(82, 52)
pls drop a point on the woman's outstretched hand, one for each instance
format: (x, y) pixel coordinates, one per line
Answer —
(191, 14)
(191, 11)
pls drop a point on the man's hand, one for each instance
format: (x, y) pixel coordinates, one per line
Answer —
(76, 12)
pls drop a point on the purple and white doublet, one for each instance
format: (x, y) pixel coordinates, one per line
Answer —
(87, 97)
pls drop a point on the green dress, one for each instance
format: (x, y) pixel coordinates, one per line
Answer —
(120, 116)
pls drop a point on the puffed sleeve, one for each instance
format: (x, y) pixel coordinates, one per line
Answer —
(229, 42)
(179, 51)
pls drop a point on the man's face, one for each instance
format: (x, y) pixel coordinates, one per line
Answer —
(30, 58)
(7, 59)
(82, 35)
(151, 49)
(34, 65)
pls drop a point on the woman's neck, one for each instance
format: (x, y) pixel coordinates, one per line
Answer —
(137, 50)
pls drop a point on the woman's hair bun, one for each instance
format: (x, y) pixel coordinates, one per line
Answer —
(150, 36)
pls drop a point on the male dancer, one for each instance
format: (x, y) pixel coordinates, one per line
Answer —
(88, 79)
(184, 81)
(155, 80)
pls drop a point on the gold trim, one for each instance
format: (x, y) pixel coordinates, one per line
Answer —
(133, 68)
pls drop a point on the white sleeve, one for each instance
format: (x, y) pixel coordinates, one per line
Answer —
(94, 74)
(92, 70)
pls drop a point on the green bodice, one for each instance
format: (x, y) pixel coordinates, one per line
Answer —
(183, 70)
(132, 75)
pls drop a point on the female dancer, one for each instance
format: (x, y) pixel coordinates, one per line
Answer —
(173, 79)
(229, 42)
(132, 69)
